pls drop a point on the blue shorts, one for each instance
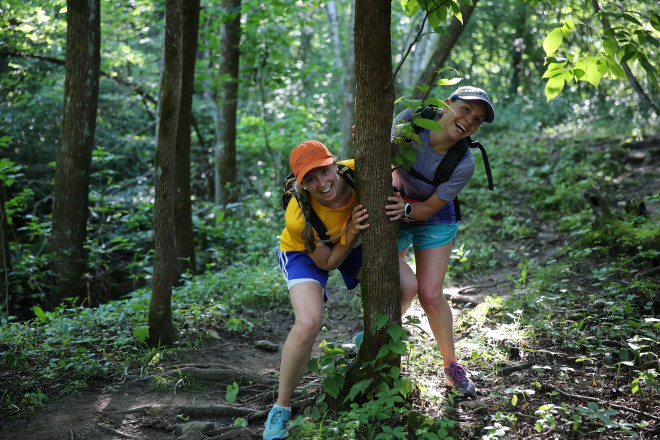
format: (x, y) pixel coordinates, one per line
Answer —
(425, 235)
(298, 267)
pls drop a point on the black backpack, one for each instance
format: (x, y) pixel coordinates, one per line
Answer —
(449, 163)
(344, 171)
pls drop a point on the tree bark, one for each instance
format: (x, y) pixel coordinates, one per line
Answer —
(74, 155)
(161, 328)
(227, 102)
(374, 107)
(443, 50)
(183, 227)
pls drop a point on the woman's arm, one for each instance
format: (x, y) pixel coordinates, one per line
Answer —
(425, 209)
(328, 258)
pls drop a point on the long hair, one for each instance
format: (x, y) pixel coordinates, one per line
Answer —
(304, 198)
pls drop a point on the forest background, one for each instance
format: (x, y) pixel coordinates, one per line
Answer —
(267, 76)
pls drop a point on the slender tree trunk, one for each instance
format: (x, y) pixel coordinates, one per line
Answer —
(644, 100)
(74, 155)
(520, 27)
(5, 261)
(161, 327)
(348, 77)
(183, 227)
(442, 51)
(331, 7)
(374, 107)
(226, 105)
(348, 94)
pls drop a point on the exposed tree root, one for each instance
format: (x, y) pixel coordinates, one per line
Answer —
(513, 368)
(602, 402)
(471, 290)
(206, 410)
(113, 431)
(222, 374)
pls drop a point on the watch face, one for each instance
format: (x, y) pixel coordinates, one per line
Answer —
(407, 209)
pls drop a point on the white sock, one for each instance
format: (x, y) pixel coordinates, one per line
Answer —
(288, 408)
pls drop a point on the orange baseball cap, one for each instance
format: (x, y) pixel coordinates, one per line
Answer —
(307, 156)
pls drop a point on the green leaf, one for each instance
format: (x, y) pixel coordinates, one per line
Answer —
(553, 41)
(650, 70)
(232, 393)
(553, 87)
(655, 22)
(358, 388)
(399, 347)
(410, 7)
(437, 17)
(554, 69)
(631, 19)
(410, 155)
(333, 385)
(38, 311)
(627, 52)
(381, 321)
(427, 123)
(616, 69)
(568, 26)
(141, 333)
(383, 352)
(313, 365)
(610, 46)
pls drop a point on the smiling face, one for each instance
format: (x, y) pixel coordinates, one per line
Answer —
(323, 184)
(466, 118)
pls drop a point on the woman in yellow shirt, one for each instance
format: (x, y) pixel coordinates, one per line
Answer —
(305, 260)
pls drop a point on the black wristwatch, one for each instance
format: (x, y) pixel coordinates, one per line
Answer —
(407, 210)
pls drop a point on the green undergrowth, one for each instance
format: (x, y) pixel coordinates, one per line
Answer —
(61, 352)
(588, 320)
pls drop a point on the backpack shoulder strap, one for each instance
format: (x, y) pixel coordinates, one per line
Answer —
(347, 173)
(314, 219)
(449, 163)
(475, 144)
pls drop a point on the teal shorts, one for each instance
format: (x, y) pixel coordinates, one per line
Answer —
(425, 235)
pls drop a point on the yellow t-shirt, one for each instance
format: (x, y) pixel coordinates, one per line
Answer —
(335, 220)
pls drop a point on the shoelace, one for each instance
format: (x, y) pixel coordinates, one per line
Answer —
(456, 372)
(278, 416)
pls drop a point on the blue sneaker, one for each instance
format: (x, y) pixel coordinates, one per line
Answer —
(276, 424)
(357, 339)
(456, 376)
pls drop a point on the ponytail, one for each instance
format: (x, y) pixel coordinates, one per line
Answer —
(304, 199)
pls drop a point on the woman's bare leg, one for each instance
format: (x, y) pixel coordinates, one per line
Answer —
(307, 302)
(431, 265)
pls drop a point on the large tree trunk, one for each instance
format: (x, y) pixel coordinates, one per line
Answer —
(374, 107)
(442, 51)
(161, 328)
(74, 155)
(183, 227)
(226, 105)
